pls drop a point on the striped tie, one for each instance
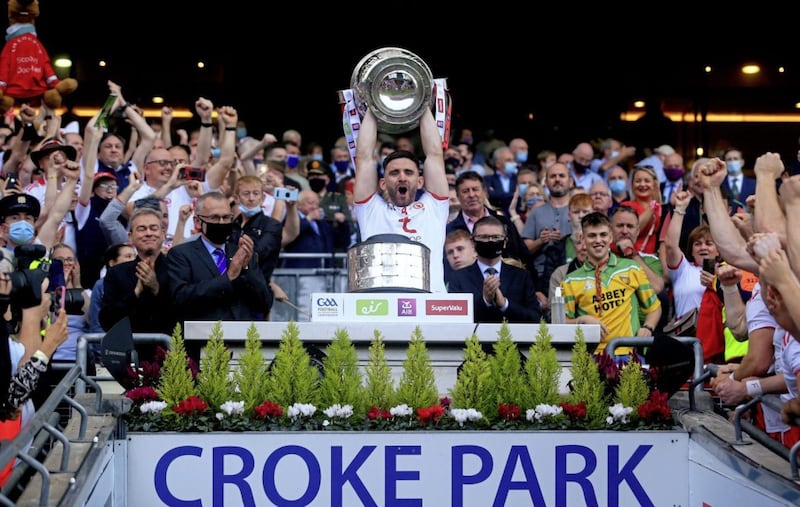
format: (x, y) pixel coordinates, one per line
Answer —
(222, 263)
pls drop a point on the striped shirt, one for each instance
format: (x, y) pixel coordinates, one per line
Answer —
(624, 290)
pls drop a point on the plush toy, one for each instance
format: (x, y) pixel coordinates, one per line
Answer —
(25, 71)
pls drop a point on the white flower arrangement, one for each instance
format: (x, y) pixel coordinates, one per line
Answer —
(339, 412)
(618, 414)
(462, 415)
(154, 407)
(401, 411)
(543, 411)
(301, 409)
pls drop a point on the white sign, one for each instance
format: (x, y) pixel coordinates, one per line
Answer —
(443, 468)
(391, 307)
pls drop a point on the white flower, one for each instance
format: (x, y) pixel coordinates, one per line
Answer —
(342, 412)
(542, 411)
(220, 416)
(153, 406)
(401, 410)
(233, 407)
(301, 409)
(462, 415)
(618, 413)
(326, 422)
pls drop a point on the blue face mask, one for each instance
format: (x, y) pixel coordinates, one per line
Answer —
(522, 188)
(511, 168)
(241, 133)
(249, 212)
(521, 156)
(342, 165)
(533, 201)
(734, 166)
(617, 186)
(20, 232)
(317, 156)
(292, 161)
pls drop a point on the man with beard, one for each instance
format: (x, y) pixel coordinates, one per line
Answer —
(547, 227)
(423, 220)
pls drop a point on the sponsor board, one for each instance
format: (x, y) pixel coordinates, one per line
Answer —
(390, 307)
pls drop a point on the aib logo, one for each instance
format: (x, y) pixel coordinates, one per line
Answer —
(406, 307)
(370, 307)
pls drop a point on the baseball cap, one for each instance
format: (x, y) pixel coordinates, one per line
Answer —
(101, 176)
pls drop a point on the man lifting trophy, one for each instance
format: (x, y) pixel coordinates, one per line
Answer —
(392, 91)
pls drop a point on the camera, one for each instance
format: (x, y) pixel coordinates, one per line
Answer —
(285, 194)
(192, 174)
(26, 282)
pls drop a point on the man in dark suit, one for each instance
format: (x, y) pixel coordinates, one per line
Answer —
(139, 289)
(316, 235)
(500, 290)
(471, 194)
(213, 279)
(503, 183)
(739, 186)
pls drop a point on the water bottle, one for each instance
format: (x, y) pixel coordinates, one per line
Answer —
(557, 315)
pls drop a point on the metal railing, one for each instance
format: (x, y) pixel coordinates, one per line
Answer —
(45, 420)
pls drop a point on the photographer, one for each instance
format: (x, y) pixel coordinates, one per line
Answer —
(23, 361)
(75, 302)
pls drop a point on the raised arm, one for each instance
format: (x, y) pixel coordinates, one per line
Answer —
(166, 126)
(770, 217)
(672, 246)
(790, 195)
(730, 244)
(433, 167)
(227, 157)
(366, 176)
(204, 109)
(49, 229)
(91, 136)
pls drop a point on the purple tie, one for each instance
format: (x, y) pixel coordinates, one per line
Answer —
(219, 258)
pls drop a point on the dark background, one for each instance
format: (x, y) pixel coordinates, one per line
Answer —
(574, 71)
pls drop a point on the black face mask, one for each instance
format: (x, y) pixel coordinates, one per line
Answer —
(218, 233)
(316, 184)
(489, 249)
(579, 168)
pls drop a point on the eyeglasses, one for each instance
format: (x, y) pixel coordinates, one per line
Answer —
(65, 260)
(216, 219)
(487, 237)
(162, 163)
(108, 186)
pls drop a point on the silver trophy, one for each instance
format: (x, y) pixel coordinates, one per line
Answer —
(396, 85)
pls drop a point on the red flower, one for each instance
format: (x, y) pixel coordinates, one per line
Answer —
(377, 413)
(444, 401)
(268, 409)
(142, 394)
(508, 411)
(655, 409)
(430, 414)
(190, 406)
(577, 411)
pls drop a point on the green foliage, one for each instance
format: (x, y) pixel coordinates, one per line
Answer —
(342, 382)
(632, 390)
(471, 388)
(417, 387)
(506, 382)
(542, 370)
(379, 388)
(294, 379)
(251, 372)
(212, 382)
(586, 384)
(176, 382)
